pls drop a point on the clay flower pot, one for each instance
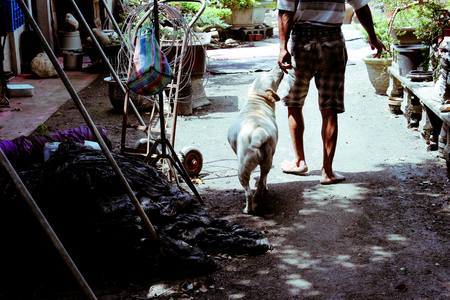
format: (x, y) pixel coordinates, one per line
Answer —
(378, 74)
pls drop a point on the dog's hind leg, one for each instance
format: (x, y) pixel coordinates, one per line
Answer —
(265, 167)
(245, 180)
(246, 167)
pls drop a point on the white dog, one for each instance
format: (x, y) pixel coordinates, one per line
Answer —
(253, 136)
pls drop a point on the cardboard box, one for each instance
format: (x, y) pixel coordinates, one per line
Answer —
(19, 90)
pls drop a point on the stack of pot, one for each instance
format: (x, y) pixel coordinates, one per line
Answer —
(70, 44)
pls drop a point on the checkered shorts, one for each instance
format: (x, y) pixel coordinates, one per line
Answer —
(324, 57)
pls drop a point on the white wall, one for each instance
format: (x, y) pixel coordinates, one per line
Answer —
(12, 61)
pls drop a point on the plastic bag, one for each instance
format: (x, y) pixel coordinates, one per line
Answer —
(151, 71)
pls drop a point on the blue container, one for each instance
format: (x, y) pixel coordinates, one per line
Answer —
(13, 15)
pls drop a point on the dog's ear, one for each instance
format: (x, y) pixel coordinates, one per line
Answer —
(272, 96)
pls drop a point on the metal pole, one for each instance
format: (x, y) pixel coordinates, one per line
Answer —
(45, 225)
(122, 38)
(88, 119)
(113, 73)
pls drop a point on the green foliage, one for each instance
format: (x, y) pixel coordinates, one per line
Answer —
(234, 4)
(42, 130)
(381, 26)
(212, 17)
(424, 18)
(272, 5)
(410, 14)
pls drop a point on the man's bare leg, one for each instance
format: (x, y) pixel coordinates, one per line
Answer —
(329, 137)
(296, 129)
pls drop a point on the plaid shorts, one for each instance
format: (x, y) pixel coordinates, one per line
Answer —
(320, 54)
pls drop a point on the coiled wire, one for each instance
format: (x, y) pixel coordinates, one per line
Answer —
(174, 31)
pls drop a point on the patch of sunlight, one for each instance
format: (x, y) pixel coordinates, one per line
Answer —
(229, 268)
(296, 226)
(446, 285)
(305, 212)
(245, 282)
(161, 288)
(297, 284)
(237, 296)
(351, 191)
(445, 209)
(343, 260)
(344, 198)
(379, 253)
(398, 238)
(314, 293)
(301, 263)
(301, 260)
(263, 272)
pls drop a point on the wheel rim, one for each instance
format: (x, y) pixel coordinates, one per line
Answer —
(192, 162)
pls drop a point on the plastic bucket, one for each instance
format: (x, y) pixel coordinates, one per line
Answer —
(49, 149)
(70, 40)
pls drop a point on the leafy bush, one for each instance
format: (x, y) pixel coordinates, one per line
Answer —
(235, 4)
(212, 17)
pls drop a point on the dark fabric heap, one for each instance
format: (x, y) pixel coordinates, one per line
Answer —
(87, 206)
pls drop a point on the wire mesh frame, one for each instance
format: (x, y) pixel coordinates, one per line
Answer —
(174, 32)
(141, 17)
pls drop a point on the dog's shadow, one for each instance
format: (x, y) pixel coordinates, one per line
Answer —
(282, 198)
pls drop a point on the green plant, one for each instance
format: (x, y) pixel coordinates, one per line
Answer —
(381, 26)
(422, 15)
(425, 17)
(212, 17)
(42, 130)
(234, 4)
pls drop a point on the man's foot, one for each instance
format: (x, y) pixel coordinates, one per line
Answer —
(291, 167)
(336, 178)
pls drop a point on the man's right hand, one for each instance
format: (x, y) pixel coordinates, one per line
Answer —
(285, 20)
(284, 60)
(378, 45)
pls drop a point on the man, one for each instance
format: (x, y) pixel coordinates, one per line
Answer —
(317, 49)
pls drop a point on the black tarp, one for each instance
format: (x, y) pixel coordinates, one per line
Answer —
(87, 206)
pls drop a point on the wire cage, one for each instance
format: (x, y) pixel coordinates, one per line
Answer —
(177, 41)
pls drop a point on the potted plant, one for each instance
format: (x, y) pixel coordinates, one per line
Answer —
(420, 15)
(212, 17)
(416, 22)
(415, 16)
(244, 13)
(377, 67)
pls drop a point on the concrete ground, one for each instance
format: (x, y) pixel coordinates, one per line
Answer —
(26, 113)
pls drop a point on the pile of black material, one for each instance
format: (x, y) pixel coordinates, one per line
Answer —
(87, 206)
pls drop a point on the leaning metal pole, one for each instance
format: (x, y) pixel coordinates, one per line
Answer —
(105, 59)
(87, 118)
(119, 32)
(45, 225)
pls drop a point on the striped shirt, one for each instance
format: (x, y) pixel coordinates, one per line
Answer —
(319, 12)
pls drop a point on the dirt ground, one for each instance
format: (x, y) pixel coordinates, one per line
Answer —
(381, 234)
